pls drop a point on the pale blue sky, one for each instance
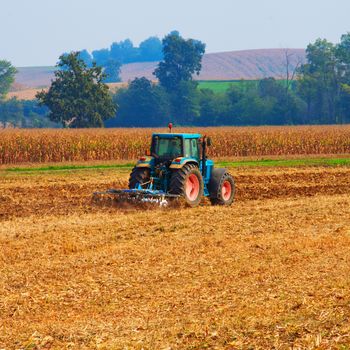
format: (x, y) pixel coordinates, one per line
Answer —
(36, 32)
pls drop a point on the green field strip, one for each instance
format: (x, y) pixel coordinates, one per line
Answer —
(221, 86)
(233, 164)
(69, 167)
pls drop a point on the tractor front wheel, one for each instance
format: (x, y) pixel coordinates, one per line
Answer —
(139, 176)
(188, 182)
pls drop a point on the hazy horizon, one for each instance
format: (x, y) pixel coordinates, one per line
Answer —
(40, 30)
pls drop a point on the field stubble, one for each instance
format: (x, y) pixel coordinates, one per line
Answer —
(66, 192)
(270, 271)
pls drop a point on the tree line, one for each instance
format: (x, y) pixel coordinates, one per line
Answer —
(123, 52)
(24, 114)
(15, 112)
(318, 92)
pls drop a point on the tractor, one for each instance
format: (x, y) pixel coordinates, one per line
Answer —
(177, 166)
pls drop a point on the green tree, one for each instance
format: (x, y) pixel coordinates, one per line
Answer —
(142, 104)
(213, 108)
(112, 71)
(344, 104)
(342, 52)
(101, 57)
(343, 57)
(151, 49)
(182, 59)
(185, 103)
(124, 52)
(86, 57)
(319, 83)
(7, 77)
(275, 100)
(11, 113)
(265, 103)
(233, 97)
(78, 98)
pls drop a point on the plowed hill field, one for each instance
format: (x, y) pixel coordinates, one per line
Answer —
(232, 65)
(272, 271)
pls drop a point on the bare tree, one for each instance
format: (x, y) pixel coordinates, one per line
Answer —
(290, 70)
(290, 74)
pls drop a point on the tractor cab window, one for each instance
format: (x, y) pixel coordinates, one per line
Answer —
(191, 148)
(195, 148)
(167, 147)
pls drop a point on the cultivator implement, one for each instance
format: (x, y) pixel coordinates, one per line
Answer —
(135, 197)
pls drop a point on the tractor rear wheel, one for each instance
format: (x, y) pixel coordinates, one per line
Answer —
(188, 182)
(139, 176)
(225, 191)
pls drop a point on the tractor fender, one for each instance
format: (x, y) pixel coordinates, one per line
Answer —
(181, 161)
(145, 162)
(215, 179)
(143, 165)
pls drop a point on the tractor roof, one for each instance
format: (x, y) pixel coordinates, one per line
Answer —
(184, 135)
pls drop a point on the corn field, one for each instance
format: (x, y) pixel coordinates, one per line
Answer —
(58, 145)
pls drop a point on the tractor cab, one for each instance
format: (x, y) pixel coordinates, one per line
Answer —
(173, 146)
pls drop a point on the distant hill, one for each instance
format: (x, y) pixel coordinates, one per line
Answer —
(233, 65)
(34, 77)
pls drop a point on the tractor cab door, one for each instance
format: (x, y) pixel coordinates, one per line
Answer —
(191, 148)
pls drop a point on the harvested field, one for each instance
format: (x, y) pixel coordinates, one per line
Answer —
(42, 146)
(25, 94)
(29, 94)
(272, 271)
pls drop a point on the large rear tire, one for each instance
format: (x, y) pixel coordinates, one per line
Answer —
(188, 182)
(139, 176)
(224, 193)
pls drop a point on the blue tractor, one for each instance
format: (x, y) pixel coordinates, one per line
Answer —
(177, 166)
